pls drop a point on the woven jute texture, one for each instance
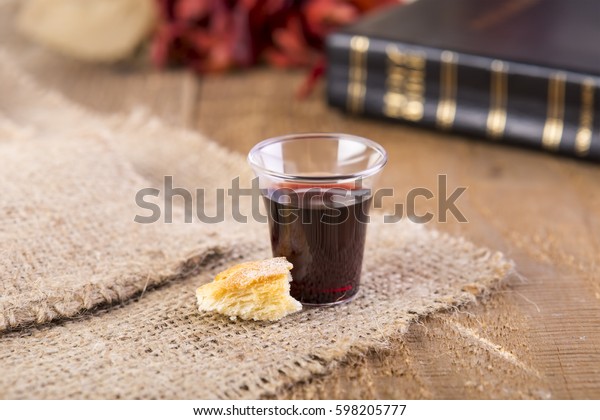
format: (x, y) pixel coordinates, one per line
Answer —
(67, 225)
(68, 239)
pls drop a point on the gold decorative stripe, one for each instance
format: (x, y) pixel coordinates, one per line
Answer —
(583, 139)
(553, 129)
(496, 121)
(446, 109)
(357, 73)
(405, 84)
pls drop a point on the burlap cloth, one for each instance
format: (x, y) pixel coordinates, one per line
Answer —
(93, 305)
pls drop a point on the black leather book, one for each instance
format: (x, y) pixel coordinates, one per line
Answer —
(520, 71)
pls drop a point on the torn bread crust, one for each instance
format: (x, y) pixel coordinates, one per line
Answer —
(256, 290)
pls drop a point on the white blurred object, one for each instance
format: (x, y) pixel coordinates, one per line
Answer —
(91, 30)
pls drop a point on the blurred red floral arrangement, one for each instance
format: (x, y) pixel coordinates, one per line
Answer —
(203, 35)
(215, 35)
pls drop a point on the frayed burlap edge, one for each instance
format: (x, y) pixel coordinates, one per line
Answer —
(264, 380)
(126, 133)
(70, 304)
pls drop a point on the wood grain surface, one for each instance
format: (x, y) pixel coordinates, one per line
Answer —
(537, 338)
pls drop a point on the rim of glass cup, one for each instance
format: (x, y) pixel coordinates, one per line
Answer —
(318, 136)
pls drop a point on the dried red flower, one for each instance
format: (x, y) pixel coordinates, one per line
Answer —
(215, 35)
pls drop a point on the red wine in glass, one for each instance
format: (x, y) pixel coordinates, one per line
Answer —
(321, 231)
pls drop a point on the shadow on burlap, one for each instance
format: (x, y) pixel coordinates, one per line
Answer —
(154, 344)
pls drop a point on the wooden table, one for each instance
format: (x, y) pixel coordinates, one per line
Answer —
(537, 338)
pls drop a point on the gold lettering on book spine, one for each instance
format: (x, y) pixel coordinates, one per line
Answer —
(583, 139)
(405, 84)
(553, 129)
(446, 109)
(496, 121)
(357, 73)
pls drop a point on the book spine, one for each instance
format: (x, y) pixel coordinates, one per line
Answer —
(555, 110)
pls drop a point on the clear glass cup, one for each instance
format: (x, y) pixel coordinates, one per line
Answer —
(318, 189)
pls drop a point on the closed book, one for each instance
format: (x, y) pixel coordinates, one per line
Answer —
(525, 72)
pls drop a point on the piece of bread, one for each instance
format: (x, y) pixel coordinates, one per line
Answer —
(258, 290)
